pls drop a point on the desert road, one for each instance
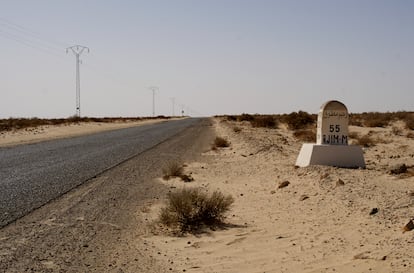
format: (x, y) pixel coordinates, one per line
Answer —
(32, 175)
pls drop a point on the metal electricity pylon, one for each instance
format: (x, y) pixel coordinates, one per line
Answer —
(77, 50)
(153, 89)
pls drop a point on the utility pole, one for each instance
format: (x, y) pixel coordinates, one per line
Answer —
(173, 106)
(153, 89)
(77, 50)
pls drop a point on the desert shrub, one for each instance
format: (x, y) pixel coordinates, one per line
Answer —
(409, 123)
(353, 135)
(245, 117)
(396, 131)
(191, 209)
(231, 118)
(236, 129)
(22, 123)
(399, 169)
(375, 119)
(299, 120)
(173, 169)
(264, 121)
(377, 122)
(401, 115)
(366, 141)
(355, 120)
(305, 135)
(220, 142)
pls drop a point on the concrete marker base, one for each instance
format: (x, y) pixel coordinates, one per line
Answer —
(345, 156)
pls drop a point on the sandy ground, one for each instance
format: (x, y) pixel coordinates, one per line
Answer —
(320, 222)
(42, 133)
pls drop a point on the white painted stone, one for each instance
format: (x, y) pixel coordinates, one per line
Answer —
(333, 123)
(331, 146)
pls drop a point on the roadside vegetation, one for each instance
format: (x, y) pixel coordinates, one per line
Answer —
(376, 119)
(191, 210)
(265, 121)
(303, 124)
(23, 123)
(175, 169)
(220, 142)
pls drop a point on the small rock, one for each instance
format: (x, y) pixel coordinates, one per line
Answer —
(272, 192)
(409, 226)
(303, 197)
(186, 178)
(373, 211)
(325, 175)
(398, 169)
(283, 184)
(340, 182)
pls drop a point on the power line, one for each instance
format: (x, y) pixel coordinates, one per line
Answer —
(28, 43)
(77, 50)
(11, 26)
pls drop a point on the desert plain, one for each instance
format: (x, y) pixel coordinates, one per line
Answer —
(326, 219)
(284, 218)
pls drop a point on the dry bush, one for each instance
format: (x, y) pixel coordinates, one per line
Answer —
(366, 141)
(410, 135)
(353, 135)
(397, 131)
(406, 117)
(22, 123)
(191, 209)
(409, 123)
(299, 120)
(373, 119)
(236, 129)
(355, 120)
(377, 122)
(264, 121)
(245, 117)
(220, 142)
(377, 119)
(231, 118)
(305, 135)
(174, 169)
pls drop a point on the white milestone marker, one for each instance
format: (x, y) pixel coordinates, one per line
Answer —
(331, 146)
(333, 122)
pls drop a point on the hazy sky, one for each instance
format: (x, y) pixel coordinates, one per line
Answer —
(213, 56)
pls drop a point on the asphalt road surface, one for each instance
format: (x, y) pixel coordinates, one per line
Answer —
(32, 175)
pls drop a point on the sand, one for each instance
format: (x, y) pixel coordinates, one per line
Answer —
(49, 132)
(323, 221)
